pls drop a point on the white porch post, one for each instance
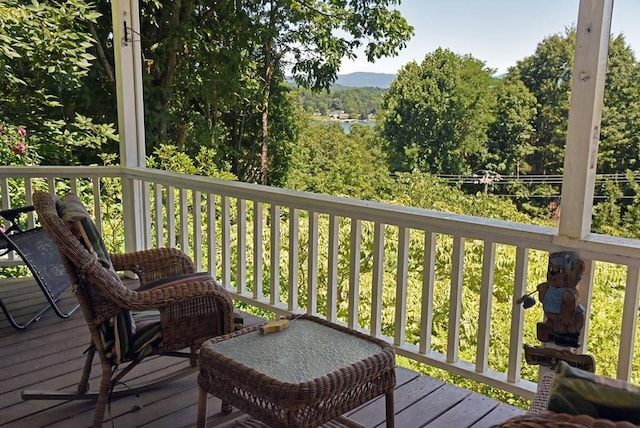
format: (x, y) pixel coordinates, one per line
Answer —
(128, 64)
(583, 133)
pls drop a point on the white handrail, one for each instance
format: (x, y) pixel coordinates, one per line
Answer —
(232, 212)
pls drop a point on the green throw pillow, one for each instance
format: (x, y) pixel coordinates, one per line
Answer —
(117, 332)
(579, 392)
(71, 209)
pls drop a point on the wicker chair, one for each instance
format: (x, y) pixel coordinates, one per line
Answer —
(174, 308)
(561, 420)
(541, 412)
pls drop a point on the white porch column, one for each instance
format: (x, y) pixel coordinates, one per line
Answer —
(583, 133)
(128, 64)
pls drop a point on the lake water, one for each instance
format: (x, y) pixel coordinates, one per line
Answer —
(346, 125)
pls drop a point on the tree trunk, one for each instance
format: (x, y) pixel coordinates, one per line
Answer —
(183, 130)
(265, 137)
(172, 59)
(268, 75)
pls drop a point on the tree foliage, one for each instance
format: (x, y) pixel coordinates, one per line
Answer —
(318, 35)
(435, 121)
(511, 134)
(15, 148)
(423, 190)
(358, 103)
(437, 114)
(214, 71)
(214, 83)
(45, 53)
(607, 215)
(329, 161)
(169, 158)
(547, 75)
(619, 148)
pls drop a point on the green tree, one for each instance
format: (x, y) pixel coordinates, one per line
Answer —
(547, 75)
(327, 160)
(214, 70)
(313, 37)
(357, 102)
(511, 133)
(45, 53)
(437, 114)
(607, 215)
(631, 216)
(619, 148)
(423, 190)
(170, 158)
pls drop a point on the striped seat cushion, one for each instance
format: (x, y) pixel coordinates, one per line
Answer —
(116, 336)
(148, 333)
(121, 345)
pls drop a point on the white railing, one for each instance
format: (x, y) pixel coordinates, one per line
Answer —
(329, 256)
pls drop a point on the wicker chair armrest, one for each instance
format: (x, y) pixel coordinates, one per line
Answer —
(175, 293)
(179, 289)
(197, 302)
(153, 264)
(189, 323)
(170, 296)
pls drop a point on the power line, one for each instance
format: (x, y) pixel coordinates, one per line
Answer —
(534, 179)
(488, 179)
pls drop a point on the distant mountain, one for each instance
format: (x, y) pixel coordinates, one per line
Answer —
(361, 79)
(365, 80)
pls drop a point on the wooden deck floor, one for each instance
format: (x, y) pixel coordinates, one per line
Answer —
(49, 355)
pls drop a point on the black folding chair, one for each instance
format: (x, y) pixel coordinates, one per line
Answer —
(33, 248)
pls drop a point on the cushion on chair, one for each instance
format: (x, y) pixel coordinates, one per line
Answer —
(121, 344)
(116, 335)
(148, 333)
(72, 210)
(577, 391)
(118, 332)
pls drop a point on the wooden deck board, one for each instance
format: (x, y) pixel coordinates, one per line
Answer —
(470, 410)
(498, 414)
(49, 355)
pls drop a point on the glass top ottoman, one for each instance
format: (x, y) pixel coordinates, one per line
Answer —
(303, 376)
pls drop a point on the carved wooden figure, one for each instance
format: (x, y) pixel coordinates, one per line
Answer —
(564, 315)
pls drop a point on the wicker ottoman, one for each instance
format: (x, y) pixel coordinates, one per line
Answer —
(303, 376)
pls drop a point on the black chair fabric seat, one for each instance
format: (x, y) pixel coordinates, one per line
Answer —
(37, 251)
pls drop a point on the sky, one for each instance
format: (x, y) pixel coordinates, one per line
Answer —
(498, 32)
